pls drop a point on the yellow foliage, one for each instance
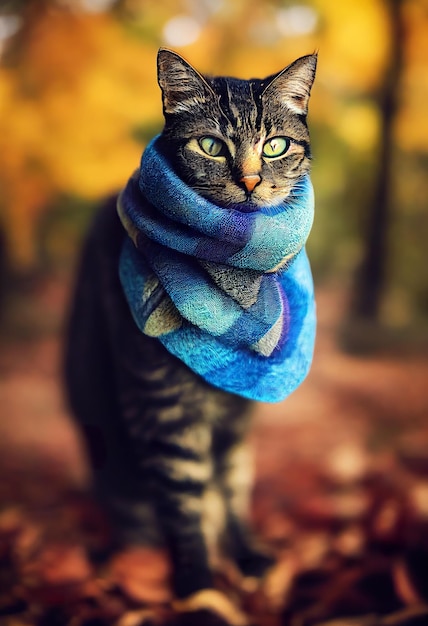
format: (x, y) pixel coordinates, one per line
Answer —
(354, 42)
(359, 126)
(83, 82)
(412, 128)
(66, 115)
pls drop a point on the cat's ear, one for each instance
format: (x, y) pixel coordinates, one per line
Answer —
(292, 86)
(182, 86)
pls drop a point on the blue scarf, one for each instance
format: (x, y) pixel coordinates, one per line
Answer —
(227, 291)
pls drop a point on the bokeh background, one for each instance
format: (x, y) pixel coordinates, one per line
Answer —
(78, 102)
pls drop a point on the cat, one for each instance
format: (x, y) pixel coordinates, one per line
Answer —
(164, 441)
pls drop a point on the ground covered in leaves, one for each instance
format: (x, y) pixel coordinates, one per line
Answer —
(341, 493)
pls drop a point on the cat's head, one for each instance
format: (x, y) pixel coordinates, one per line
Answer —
(237, 142)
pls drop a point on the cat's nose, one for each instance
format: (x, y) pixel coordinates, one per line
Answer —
(250, 181)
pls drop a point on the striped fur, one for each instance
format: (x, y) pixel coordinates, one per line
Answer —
(161, 440)
(243, 114)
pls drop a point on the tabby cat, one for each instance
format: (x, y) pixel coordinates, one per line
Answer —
(162, 437)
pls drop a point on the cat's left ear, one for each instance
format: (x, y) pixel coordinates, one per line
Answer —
(292, 86)
(182, 86)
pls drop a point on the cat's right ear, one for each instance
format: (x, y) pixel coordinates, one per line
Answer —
(292, 87)
(182, 86)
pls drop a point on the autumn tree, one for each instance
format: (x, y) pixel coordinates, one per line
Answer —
(79, 98)
(72, 88)
(371, 276)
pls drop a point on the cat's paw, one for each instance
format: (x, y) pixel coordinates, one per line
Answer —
(209, 607)
(142, 617)
(276, 584)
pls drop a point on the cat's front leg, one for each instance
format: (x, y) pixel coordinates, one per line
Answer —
(236, 475)
(172, 456)
(169, 418)
(179, 468)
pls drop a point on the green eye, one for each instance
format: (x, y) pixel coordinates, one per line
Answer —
(276, 147)
(212, 146)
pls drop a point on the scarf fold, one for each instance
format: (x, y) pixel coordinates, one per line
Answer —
(227, 291)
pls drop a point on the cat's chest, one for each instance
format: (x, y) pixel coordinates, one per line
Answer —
(163, 385)
(152, 375)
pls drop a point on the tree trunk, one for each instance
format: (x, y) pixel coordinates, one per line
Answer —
(371, 277)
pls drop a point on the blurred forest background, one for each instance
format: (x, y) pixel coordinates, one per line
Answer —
(79, 100)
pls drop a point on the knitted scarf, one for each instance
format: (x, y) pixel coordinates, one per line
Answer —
(227, 291)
